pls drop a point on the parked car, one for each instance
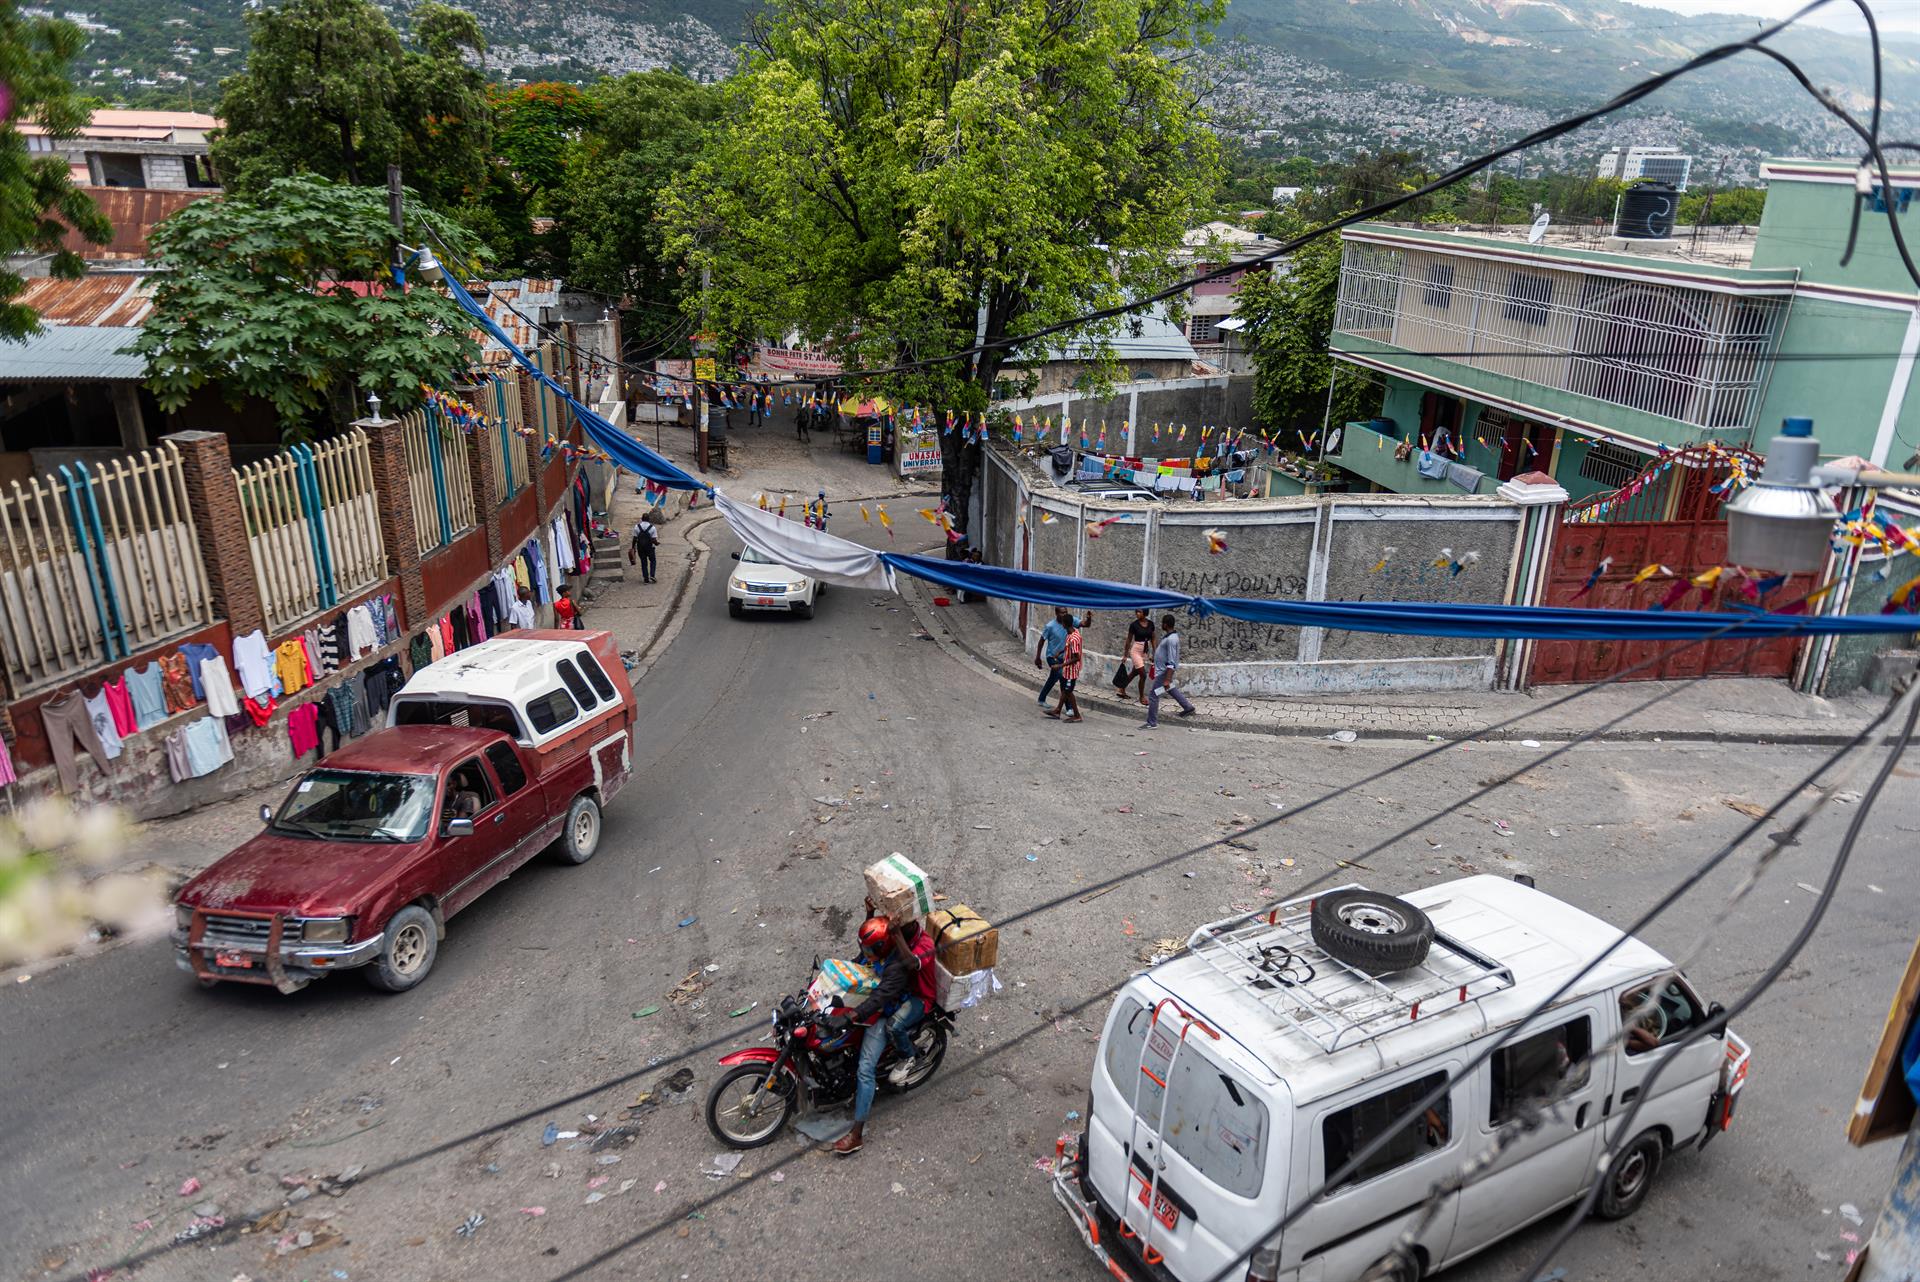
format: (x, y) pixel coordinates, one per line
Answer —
(490, 756)
(1234, 1080)
(761, 583)
(1113, 491)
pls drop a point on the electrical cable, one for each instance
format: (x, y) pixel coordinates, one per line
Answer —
(1822, 902)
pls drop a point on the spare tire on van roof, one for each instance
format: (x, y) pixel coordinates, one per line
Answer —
(1376, 933)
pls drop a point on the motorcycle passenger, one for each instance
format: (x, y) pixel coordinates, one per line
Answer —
(903, 959)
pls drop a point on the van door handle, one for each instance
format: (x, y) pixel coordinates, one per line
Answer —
(1606, 1106)
(1629, 1095)
(1580, 1117)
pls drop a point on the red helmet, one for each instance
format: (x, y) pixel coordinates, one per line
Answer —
(874, 934)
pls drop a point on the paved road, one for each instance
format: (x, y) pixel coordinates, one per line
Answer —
(123, 1079)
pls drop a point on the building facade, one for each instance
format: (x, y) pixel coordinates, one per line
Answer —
(164, 149)
(1660, 164)
(1585, 359)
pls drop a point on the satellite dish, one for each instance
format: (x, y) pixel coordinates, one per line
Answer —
(1539, 229)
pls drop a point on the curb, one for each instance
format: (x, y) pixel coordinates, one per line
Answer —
(963, 652)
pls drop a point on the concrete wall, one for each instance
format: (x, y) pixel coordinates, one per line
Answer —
(1224, 401)
(1298, 548)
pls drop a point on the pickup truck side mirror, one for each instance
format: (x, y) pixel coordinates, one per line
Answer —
(459, 828)
(266, 814)
(736, 556)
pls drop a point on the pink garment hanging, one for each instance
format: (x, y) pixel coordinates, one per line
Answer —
(303, 728)
(474, 627)
(120, 704)
(6, 764)
(446, 635)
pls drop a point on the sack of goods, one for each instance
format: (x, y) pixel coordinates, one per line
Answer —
(966, 949)
(840, 980)
(899, 890)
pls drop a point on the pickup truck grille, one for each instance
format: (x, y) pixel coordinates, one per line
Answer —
(244, 932)
(767, 589)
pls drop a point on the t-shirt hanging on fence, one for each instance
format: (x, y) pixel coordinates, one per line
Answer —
(177, 683)
(291, 667)
(149, 696)
(360, 634)
(120, 701)
(197, 653)
(303, 729)
(217, 686)
(102, 717)
(254, 662)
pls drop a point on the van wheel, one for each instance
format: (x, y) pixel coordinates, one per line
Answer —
(1379, 934)
(581, 835)
(406, 954)
(804, 610)
(1399, 1266)
(1629, 1176)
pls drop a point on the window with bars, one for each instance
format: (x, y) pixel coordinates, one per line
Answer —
(1611, 465)
(1438, 292)
(1529, 296)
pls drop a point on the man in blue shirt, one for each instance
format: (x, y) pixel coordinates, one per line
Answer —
(1049, 654)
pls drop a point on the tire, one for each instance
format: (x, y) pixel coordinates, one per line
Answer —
(408, 952)
(931, 1041)
(1629, 1176)
(804, 610)
(580, 835)
(1380, 934)
(1395, 1267)
(734, 608)
(731, 1092)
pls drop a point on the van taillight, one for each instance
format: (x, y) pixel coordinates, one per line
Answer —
(1264, 1264)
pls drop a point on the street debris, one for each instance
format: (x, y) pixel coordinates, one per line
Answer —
(778, 1177)
(722, 1165)
(688, 922)
(1846, 798)
(191, 1186)
(1529, 743)
(1342, 736)
(1747, 808)
(199, 1228)
(736, 1014)
(645, 1011)
(469, 1226)
(1851, 1213)
(533, 1210)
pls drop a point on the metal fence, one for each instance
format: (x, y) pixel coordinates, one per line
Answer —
(500, 398)
(96, 561)
(313, 526)
(1695, 355)
(438, 477)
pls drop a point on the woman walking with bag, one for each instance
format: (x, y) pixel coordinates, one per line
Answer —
(1138, 655)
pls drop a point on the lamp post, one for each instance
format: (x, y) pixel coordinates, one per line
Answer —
(1783, 522)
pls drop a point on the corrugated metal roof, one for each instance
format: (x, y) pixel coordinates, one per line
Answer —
(113, 300)
(133, 211)
(528, 296)
(72, 354)
(1159, 339)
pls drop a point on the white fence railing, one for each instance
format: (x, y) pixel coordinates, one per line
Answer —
(438, 478)
(313, 526)
(96, 561)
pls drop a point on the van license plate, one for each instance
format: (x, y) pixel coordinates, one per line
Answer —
(233, 961)
(1164, 1211)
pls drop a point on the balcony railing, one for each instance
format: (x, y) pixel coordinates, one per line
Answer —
(1693, 355)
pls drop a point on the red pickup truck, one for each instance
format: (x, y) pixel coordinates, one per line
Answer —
(490, 756)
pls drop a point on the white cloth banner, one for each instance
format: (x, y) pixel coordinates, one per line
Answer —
(812, 552)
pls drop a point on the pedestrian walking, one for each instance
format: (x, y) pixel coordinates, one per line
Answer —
(1138, 660)
(803, 421)
(1053, 642)
(644, 547)
(1166, 673)
(1070, 656)
(520, 613)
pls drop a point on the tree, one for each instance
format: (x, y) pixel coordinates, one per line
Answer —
(1734, 206)
(330, 90)
(648, 128)
(287, 297)
(1289, 314)
(897, 176)
(38, 200)
(534, 125)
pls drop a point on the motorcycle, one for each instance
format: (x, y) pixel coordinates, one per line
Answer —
(812, 1064)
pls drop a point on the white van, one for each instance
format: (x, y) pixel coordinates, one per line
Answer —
(1234, 1078)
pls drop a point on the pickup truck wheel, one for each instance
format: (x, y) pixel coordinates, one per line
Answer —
(406, 955)
(581, 836)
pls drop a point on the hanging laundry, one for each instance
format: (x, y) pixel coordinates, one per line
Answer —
(360, 634)
(420, 652)
(197, 653)
(67, 723)
(102, 717)
(176, 681)
(120, 702)
(7, 772)
(291, 667)
(314, 639)
(381, 682)
(259, 710)
(254, 662)
(439, 638)
(149, 697)
(303, 729)
(332, 642)
(208, 747)
(216, 685)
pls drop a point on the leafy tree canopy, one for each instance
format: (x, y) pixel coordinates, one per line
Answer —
(287, 297)
(331, 90)
(533, 127)
(38, 200)
(897, 175)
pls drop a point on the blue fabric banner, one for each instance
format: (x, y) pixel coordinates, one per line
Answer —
(622, 448)
(1030, 585)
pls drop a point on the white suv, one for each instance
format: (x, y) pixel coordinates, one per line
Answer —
(763, 584)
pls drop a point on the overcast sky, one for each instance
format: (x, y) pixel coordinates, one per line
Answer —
(1893, 15)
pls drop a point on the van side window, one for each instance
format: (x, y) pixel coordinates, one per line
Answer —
(1676, 1013)
(575, 683)
(596, 676)
(507, 767)
(1346, 1132)
(554, 708)
(1529, 1068)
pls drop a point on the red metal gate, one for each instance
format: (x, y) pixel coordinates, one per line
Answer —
(1667, 515)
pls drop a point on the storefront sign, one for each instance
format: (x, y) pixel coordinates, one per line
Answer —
(793, 360)
(703, 368)
(920, 460)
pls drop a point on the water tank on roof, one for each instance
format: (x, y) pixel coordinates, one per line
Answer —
(1646, 211)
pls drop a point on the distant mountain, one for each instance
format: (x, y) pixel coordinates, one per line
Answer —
(1531, 56)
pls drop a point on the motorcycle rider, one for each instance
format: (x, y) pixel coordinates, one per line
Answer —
(903, 959)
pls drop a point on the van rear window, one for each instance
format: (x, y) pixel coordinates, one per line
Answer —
(1214, 1120)
(1348, 1130)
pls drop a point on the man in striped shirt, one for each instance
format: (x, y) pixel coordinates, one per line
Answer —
(1070, 656)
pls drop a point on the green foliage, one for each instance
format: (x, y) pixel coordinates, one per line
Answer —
(38, 201)
(1730, 207)
(1289, 319)
(647, 130)
(533, 127)
(258, 297)
(892, 174)
(330, 90)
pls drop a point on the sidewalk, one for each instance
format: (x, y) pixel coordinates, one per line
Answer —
(1720, 710)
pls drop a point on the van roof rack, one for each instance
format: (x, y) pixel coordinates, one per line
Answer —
(1270, 953)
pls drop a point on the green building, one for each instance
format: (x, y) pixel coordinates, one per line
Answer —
(1580, 354)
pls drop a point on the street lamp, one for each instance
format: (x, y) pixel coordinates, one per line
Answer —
(429, 267)
(1784, 521)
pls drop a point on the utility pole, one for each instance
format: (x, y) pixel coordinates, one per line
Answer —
(700, 342)
(396, 199)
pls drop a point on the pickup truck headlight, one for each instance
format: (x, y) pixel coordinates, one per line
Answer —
(325, 930)
(182, 918)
